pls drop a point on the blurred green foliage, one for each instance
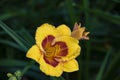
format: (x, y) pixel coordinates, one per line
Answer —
(100, 56)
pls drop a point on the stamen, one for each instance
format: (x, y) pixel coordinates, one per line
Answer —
(60, 59)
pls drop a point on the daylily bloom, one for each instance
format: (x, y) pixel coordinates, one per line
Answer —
(55, 50)
(78, 32)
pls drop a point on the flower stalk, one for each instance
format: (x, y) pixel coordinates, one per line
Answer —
(27, 67)
(19, 74)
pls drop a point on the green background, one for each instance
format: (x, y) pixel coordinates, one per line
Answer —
(100, 56)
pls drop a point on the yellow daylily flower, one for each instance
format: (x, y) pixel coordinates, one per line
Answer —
(55, 50)
(78, 32)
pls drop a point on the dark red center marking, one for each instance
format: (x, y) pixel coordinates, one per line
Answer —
(59, 49)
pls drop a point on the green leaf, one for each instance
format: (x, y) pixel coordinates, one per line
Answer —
(71, 11)
(100, 73)
(117, 1)
(27, 37)
(106, 15)
(10, 43)
(86, 4)
(114, 65)
(13, 34)
(8, 15)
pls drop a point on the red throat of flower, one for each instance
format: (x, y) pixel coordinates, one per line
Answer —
(53, 52)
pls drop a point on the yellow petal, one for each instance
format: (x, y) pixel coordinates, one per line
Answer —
(42, 32)
(50, 70)
(72, 44)
(71, 66)
(64, 30)
(34, 53)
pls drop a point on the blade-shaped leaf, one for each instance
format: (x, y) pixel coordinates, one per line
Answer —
(13, 34)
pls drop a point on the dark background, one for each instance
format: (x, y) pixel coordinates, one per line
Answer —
(100, 56)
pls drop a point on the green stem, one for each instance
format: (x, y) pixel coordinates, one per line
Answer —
(87, 17)
(71, 11)
(86, 7)
(26, 68)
